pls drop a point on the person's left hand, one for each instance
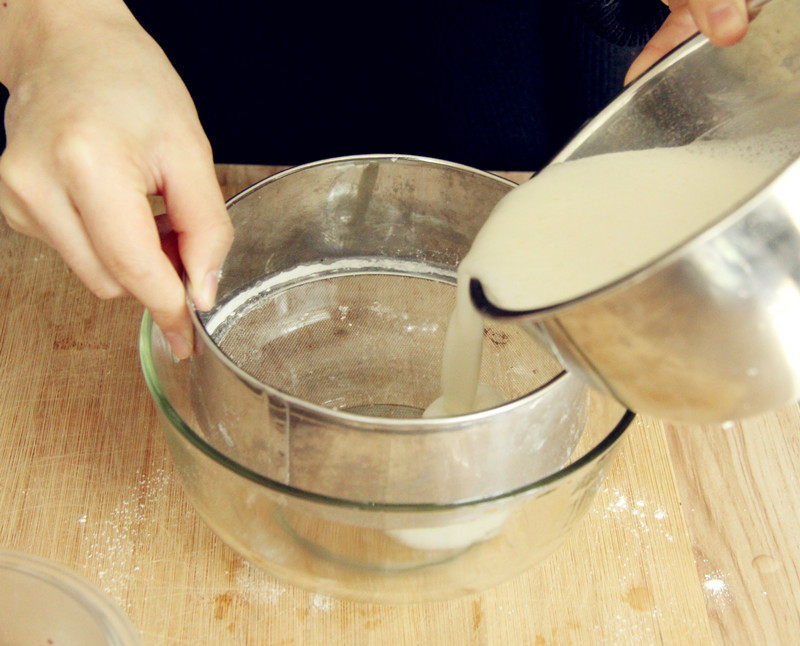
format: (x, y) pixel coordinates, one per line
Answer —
(723, 21)
(98, 120)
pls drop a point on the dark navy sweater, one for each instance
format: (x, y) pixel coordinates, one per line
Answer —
(499, 85)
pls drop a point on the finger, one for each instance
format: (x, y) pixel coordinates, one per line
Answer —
(723, 21)
(16, 214)
(62, 229)
(121, 228)
(678, 26)
(66, 234)
(16, 181)
(198, 215)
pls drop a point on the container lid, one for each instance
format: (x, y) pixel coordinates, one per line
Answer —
(43, 604)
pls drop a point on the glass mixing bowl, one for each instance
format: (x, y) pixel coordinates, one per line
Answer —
(296, 426)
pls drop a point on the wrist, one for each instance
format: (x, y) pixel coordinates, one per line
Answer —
(30, 29)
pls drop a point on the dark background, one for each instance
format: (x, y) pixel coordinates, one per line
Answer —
(499, 85)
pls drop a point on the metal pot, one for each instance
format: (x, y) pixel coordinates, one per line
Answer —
(711, 330)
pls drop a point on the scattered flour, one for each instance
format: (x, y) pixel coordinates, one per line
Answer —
(114, 547)
(257, 586)
(714, 584)
(111, 546)
(716, 587)
(640, 524)
(321, 603)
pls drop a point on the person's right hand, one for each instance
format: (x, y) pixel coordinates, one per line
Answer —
(98, 120)
(723, 21)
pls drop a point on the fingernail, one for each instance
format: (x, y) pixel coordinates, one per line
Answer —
(205, 299)
(181, 348)
(725, 20)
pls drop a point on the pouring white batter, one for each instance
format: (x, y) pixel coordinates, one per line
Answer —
(579, 226)
(575, 228)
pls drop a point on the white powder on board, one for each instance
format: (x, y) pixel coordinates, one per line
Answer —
(620, 503)
(640, 524)
(110, 546)
(113, 550)
(321, 603)
(257, 586)
(113, 547)
(716, 587)
(640, 510)
(715, 584)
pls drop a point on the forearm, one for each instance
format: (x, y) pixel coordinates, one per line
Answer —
(28, 28)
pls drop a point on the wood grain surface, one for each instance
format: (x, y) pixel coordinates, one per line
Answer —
(694, 539)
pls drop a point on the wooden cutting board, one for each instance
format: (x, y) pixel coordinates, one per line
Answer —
(694, 539)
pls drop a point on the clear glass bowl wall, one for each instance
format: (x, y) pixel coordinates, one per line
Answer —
(295, 427)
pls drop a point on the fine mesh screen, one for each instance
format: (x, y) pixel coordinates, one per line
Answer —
(366, 342)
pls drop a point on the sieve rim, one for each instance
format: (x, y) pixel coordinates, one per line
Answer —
(363, 422)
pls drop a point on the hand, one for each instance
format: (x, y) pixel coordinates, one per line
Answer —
(98, 120)
(723, 21)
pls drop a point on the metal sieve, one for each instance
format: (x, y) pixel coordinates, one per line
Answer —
(325, 343)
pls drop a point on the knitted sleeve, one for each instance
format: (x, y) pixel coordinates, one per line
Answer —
(629, 23)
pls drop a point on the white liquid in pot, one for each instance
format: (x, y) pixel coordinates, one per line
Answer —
(575, 228)
(581, 225)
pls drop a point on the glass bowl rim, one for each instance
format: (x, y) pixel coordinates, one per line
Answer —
(185, 430)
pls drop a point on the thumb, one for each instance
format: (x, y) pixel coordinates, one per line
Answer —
(678, 27)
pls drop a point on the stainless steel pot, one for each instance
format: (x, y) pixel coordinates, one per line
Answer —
(711, 330)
